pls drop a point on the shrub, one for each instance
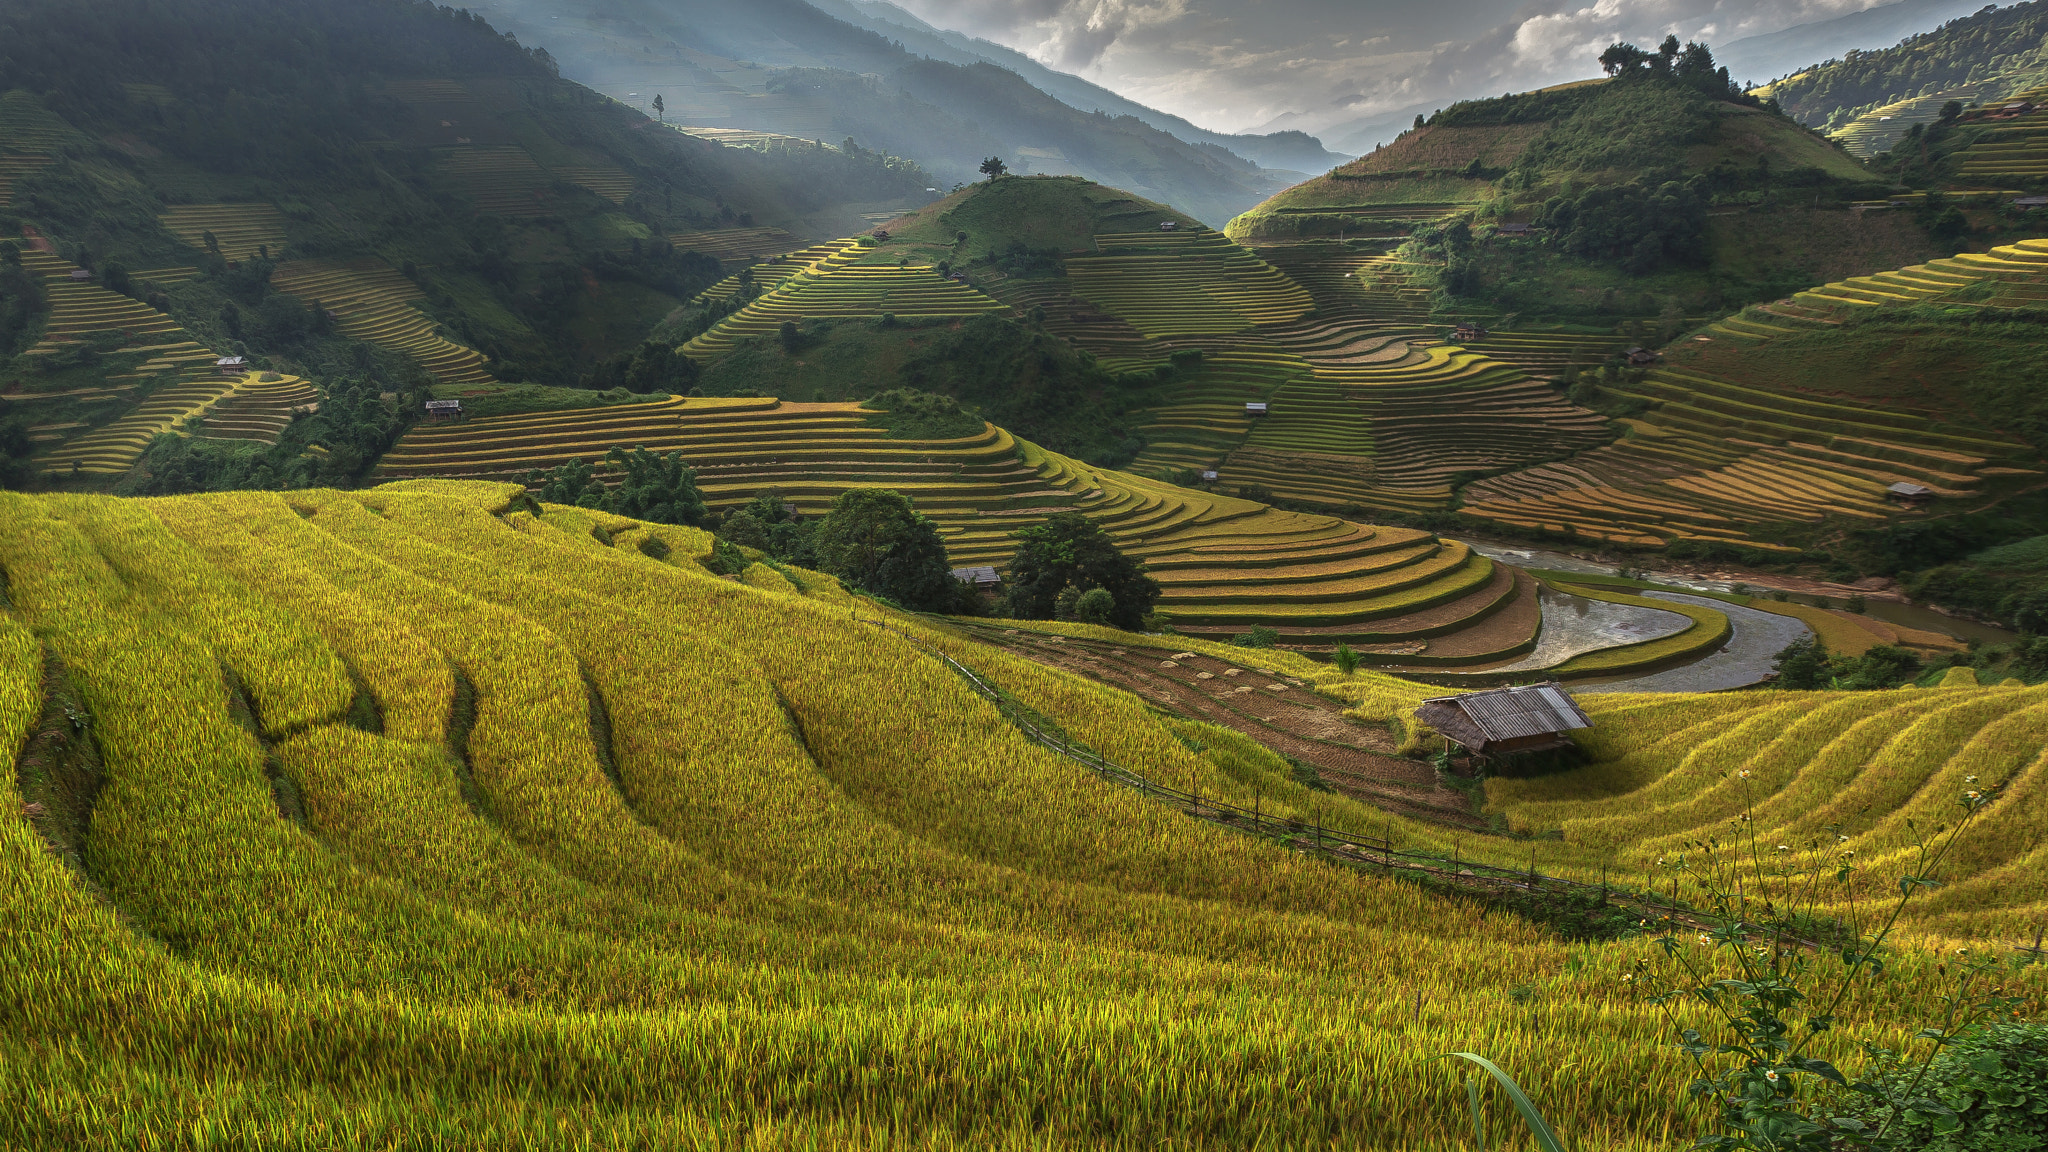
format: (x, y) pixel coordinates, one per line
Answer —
(1095, 606)
(1260, 637)
(1346, 659)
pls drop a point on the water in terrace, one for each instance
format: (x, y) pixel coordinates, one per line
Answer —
(1891, 612)
(1746, 657)
(1573, 625)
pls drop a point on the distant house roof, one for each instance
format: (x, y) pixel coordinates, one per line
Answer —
(1640, 355)
(1902, 488)
(1516, 229)
(444, 405)
(80, 274)
(2032, 202)
(1209, 475)
(229, 362)
(1506, 719)
(1256, 408)
(978, 574)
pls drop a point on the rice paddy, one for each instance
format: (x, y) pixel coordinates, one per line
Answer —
(404, 784)
(1716, 460)
(829, 281)
(374, 303)
(2016, 150)
(240, 231)
(1225, 564)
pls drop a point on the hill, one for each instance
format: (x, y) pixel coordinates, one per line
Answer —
(1775, 55)
(1780, 428)
(1869, 99)
(404, 783)
(784, 66)
(391, 194)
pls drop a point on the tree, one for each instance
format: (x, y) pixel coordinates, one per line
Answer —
(660, 109)
(1418, 120)
(994, 167)
(1095, 606)
(768, 522)
(1070, 551)
(572, 483)
(1951, 110)
(790, 335)
(874, 540)
(1803, 665)
(661, 489)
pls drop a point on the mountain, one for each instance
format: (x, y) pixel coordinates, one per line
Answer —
(1986, 56)
(1781, 53)
(784, 66)
(382, 194)
(1283, 150)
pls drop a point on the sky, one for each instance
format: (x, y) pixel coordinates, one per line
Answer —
(1244, 65)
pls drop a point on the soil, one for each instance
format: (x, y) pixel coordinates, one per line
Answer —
(1285, 715)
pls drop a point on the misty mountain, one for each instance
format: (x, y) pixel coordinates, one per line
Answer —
(786, 67)
(1775, 54)
(1287, 150)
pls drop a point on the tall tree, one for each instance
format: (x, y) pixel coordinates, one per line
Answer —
(1070, 553)
(994, 167)
(874, 540)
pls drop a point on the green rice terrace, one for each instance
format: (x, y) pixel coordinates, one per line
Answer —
(1795, 418)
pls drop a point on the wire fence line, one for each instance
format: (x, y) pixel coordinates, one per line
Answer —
(1316, 839)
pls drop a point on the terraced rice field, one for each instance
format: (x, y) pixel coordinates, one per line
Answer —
(2015, 150)
(503, 180)
(1866, 762)
(243, 231)
(13, 168)
(552, 861)
(113, 449)
(1226, 564)
(736, 243)
(1712, 460)
(81, 308)
(259, 409)
(28, 127)
(376, 304)
(829, 282)
(1877, 130)
(1184, 284)
(609, 181)
(1205, 418)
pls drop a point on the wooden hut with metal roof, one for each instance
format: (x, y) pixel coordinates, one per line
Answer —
(1506, 721)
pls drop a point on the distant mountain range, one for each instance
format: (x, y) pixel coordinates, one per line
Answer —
(869, 71)
(1776, 54)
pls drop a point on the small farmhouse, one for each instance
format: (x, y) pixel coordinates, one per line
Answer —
(1465, 333)
(1506, 721)
(1640, 357)
(1255, 408)
(444, 409)
(231, 365)
(1906, 492)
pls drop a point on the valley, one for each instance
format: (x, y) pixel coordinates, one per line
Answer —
(865, 606)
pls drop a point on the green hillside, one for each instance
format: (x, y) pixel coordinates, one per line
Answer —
(1869, 99)
(389, 194)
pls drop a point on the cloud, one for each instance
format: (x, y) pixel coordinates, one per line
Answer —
(1237, 64)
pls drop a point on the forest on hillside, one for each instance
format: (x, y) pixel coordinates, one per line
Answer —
(1992, 42)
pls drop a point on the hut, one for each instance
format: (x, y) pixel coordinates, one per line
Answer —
(1909, 493)
(444, 410)
(1209, 475)
(1169, 226)
(1468, 332)
(1255, 408)
(231, 366)
(978, 577)
(1640, 357)
(2029, 203)
(1506, 721)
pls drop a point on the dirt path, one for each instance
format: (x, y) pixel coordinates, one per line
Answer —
(1284, 714)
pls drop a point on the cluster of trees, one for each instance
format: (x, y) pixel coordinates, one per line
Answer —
(1692, 66)
(1805, 665)
(653, 367)
(332, 448)
(22, 300)
(660, 489)
(1992, 41)
(875, 540)
(1637, 226)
